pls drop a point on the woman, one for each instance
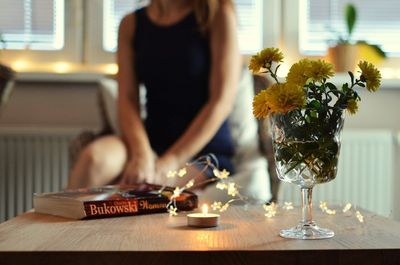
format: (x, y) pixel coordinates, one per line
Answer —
(186, 54)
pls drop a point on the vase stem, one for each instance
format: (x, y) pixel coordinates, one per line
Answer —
(306, 204)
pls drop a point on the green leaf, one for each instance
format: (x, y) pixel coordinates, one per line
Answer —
(313, 114)
(276, 69)
(345, 87)
(351, 77)
(355, 96)
(315, 104)
(331, 86)
(378, 49)
(351, 16)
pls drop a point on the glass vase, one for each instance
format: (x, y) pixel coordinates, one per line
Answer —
(306, 149)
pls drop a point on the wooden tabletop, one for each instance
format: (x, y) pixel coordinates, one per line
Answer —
(244, 236)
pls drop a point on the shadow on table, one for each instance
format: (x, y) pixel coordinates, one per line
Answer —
(220, 227)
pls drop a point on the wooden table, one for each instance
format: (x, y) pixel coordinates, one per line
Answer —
(243, 237)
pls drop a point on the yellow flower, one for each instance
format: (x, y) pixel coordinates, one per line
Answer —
(297, 73)
(285, 97)
(256, 63)
(352, 106)
(264, 59)
(370, 75)
(260, 106)
(319, 70)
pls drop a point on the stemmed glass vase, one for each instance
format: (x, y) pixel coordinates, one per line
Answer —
(306, 153)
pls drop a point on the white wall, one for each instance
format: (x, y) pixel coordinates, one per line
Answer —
(380, 110)
(54, 104)
(74, 104)
(69, 104)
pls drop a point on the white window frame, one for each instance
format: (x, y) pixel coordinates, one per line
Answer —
(93, 46)
(21, 40)
(272, 23)
(292, 12)
(71, 52)
(95, 54)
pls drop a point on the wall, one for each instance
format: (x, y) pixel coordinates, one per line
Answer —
(52, 104)
(378, 110)
(72, 104)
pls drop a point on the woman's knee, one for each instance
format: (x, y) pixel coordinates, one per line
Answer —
(106, 151)
(102, 161)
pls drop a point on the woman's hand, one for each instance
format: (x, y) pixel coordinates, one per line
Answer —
(163, 165)
(139, 168)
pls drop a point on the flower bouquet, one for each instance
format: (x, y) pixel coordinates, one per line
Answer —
(307, 114)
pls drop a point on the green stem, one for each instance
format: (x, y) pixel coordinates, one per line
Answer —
(273, 75)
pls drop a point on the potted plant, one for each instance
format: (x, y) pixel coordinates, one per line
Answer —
(346, 52)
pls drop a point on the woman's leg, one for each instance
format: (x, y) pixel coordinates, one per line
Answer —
(100, 163)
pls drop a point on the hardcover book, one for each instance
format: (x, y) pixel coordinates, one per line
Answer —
(109, 201)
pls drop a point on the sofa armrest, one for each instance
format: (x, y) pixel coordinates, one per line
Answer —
(261, 82)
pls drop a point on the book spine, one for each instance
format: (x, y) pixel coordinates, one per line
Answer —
(111, 208)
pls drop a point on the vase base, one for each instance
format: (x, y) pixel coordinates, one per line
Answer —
(307, 231)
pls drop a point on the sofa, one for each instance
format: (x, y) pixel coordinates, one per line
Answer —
(254, 162)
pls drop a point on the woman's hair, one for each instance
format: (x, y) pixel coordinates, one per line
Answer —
(205, 11)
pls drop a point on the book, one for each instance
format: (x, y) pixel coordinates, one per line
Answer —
(110, 201)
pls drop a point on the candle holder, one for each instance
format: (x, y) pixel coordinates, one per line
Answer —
(203, 219)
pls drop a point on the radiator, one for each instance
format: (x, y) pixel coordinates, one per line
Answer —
(39, 162)
(365, 175)
(31, 161)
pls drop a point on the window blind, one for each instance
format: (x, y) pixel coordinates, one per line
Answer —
(32, 24)
(249, 22)
(113, 12)
(250, 35)
(322, 22)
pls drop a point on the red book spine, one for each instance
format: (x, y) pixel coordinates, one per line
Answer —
(110, 208)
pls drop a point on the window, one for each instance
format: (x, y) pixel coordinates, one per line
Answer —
(321, 22)
(113, 12)
(249, 16)
(249, 21)
(32, 24)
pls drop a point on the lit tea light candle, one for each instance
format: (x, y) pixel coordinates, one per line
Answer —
(203, 219)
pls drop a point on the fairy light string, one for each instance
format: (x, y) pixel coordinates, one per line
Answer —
(272, 209)
(224, 183)
(221, 179)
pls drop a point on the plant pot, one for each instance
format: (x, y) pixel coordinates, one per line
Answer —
(344, 57)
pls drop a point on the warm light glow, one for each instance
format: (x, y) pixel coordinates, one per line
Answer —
(270, 210)
(62, 67)
(347, 207)
(283, 70)
(20, 65)
(205, 209)
(111, 69)
(388, 73)
(360, 217)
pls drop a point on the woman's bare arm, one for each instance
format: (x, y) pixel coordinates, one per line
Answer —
(224, 79)
(140, 165)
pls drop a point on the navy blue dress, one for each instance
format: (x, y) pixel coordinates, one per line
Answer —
(173, 62)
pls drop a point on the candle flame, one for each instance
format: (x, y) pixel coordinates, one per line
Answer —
(205, 209)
